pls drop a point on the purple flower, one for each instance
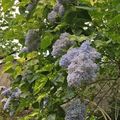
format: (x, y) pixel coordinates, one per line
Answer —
(89, 51)
(7, 103)
(6, 92)
(75, 110)
(80, 63)
(24, 50)
(59, 9)
(30, 7)
(61, 45)
(67, 58)
(32, 40)
(52, 16)
(4, 100)
(16, 93)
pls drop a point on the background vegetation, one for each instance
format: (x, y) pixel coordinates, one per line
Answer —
(43, 84)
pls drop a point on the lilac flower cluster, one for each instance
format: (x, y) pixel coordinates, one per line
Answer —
(65, 60)
(31, 5)
(58, 10)
(61, 45)
(75, 110)
(80, 63)
(9, 94)
(31, 41)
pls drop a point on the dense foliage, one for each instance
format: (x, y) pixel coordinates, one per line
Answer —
(63, 57)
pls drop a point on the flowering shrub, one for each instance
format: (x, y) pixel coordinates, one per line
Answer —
(70, 56)
(31, 41)
(61, 45)
(80, 64)
(75, 110)
(10, 95)
(58, 10)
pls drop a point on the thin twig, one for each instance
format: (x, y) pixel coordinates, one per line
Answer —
(105, 94)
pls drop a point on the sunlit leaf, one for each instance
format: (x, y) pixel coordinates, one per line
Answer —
(46, 40)
(7, 4)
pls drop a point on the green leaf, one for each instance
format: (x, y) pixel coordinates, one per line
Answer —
(18, 71)
(7, 4)
(60, 27)
(78, 38)
(29, 116)
(46, 40)
(92, 117)
(7, 66)
(47, 67)
(31, 55)
(85, 8)
(9, 58)
(118, 7)
(40, 83)
(24, 2)
(41, 96)
(115, 20)
(100, 43)
(9, 34)
(51, 117)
